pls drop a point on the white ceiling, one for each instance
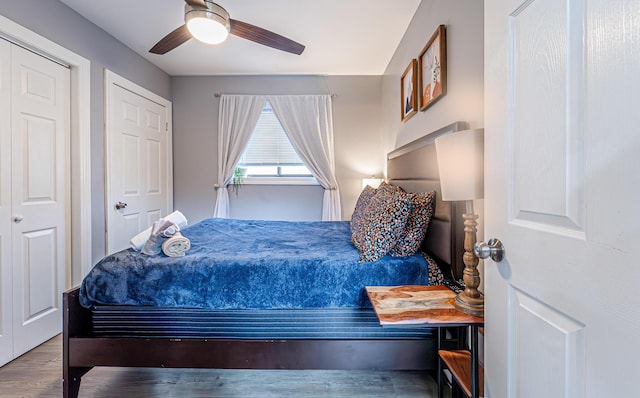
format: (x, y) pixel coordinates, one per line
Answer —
(342, 37)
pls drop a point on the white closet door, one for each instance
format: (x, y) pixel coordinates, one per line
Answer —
(6, 330)
(137, 162)
(40, 196)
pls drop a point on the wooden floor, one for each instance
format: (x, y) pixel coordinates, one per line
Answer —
(38, 374)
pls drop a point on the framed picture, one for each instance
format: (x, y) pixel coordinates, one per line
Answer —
(408, 93)
(432, 63)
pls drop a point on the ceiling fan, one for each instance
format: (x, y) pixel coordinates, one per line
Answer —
(210, 23)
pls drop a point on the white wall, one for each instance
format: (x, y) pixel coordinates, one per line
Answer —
(273, 202)
(366, 116)
(464, 100)
(358, 145)
(464, 21)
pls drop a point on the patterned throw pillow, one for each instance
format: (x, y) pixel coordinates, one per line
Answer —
(436, 277)
(414, 231)
(385, 186)
(385, 219)
(358, 216)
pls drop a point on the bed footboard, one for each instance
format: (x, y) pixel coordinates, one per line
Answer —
(83, 351)
(76, 323)
(256, 354)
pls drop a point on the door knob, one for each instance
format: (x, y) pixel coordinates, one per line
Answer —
(120, 205)
(17, 219)
(493, 249)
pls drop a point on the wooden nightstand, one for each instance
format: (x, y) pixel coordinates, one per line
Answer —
(433, 306)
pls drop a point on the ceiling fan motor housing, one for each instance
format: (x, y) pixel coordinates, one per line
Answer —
(194, 15)
(209, 23)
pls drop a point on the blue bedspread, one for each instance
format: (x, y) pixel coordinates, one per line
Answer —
(240, 264)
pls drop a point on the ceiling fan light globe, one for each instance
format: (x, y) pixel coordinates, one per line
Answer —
(209, 25)
(207, 30)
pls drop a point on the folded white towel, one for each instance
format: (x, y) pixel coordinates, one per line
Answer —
(176, 246)
(160, 231)
(138, 241)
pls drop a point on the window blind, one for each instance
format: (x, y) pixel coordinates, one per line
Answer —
(269, 144)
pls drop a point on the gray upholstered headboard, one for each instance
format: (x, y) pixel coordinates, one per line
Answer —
(414, 167)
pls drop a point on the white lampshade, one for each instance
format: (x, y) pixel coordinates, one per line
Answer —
(209, 25)
(373, 182)
(461, 164)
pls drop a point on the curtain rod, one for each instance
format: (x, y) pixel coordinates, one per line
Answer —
(217, 95)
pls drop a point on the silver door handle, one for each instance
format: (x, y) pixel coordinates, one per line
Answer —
(493, 249)
(17, 219)
(120, 205)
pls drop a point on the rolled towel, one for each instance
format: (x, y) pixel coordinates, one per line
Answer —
(138, 241)
(160, 231)
(153, 245)
(176, 246)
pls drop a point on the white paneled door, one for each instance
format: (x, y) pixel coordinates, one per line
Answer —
(562, 88)
(138, 161)
(6, 281)
(34, 197)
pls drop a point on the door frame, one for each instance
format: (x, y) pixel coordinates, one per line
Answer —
(112, 79)
(80, 134)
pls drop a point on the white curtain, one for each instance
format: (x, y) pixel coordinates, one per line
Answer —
(308, 122)
(237, 118)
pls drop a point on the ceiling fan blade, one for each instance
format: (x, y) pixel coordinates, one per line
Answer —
(265, 37)
(196, 3)
(171, 41)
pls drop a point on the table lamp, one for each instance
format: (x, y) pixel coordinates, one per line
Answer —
(461, 165)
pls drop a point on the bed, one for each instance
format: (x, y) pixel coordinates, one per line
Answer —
(326, 327)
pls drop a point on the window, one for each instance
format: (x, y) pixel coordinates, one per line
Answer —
(269, 156)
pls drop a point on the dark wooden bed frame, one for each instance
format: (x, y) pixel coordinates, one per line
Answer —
(413, 167)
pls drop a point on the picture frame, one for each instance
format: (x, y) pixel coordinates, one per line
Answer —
(432, 64)
(408, 91)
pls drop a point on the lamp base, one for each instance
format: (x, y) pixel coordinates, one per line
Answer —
(470, 300)
(469, 305)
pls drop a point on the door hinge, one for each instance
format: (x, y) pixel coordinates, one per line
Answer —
(166, 127)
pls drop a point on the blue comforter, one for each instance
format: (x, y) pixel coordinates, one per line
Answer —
(239, 264)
